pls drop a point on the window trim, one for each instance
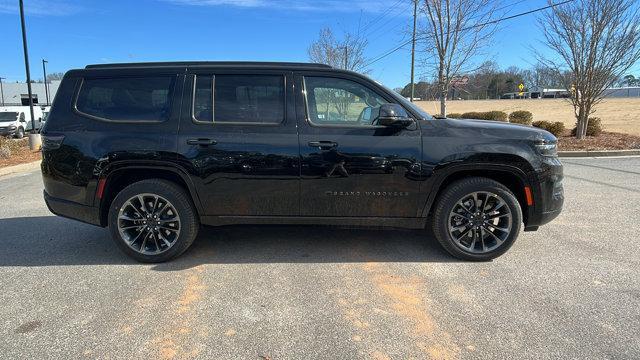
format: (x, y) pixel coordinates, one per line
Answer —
(125, 121)
(213, 121)
(346, 126)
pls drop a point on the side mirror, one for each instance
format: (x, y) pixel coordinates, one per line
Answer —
(393, 115)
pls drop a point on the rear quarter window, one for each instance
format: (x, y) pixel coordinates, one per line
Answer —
(126, 99)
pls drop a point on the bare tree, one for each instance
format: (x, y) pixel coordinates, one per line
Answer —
(55, 76)
(455, 31)
(347, 53)
(595, 42)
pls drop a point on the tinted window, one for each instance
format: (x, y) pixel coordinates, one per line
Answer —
(203, 100)
(333, 101)
(249, 99)
(126, 99)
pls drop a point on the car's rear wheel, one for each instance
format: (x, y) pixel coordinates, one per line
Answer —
(153, 220)
(477, 219)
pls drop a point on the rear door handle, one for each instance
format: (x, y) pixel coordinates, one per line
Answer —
(323, 145)
(201, 141)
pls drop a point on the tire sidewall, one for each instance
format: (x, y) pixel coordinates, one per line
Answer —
(173, 194)
(449, 199)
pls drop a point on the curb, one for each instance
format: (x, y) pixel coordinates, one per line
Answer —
(19, 168)
(599, 153)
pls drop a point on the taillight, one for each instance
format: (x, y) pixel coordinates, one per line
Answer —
(51, 142)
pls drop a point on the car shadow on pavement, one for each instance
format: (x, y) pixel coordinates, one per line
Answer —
(55, 241)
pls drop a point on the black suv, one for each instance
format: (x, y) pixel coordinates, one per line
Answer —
(153, 150)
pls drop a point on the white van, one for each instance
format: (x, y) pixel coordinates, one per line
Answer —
(16, 120)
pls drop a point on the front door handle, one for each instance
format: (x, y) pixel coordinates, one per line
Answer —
(323, 145)
(201, 141)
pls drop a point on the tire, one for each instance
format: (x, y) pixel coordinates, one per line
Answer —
(453, 226)
(20, 133)
(168, 239)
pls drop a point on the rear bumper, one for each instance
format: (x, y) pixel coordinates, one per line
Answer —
(72, 210)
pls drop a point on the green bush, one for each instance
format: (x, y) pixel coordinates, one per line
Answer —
(454, 116)
(488, 115)
(556, 128)
(521, 117)
(594, 127)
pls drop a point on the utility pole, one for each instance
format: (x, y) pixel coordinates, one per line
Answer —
(26, 66)
(413, 48)
(46, 88)
(2, 90)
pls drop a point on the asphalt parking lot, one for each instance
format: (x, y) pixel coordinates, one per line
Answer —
(570, 290)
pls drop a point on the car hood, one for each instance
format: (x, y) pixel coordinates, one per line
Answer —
(494, 130)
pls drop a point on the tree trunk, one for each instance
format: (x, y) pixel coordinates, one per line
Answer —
(581, 126)
(442, 85)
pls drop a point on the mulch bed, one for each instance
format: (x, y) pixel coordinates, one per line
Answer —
(20, 154)
(605, 141)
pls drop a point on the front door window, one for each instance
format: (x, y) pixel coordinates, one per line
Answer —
(341, 102)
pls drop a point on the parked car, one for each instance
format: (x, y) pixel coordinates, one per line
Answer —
(16, 120)
(154, 150)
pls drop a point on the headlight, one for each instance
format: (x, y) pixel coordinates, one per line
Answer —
(12, 127)
(545, 148)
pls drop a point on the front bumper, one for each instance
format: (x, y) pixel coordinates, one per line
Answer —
(7, 131)
(72, 210)
(548, 194)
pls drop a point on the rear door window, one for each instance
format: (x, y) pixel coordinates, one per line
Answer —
(126, 99)
(239, 99)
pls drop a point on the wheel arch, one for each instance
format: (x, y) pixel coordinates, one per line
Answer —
(121, 176)
(514, 178)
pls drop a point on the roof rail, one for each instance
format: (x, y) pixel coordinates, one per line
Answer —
(208, 63)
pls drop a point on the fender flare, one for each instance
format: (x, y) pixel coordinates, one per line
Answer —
(442, 174)
(116, 167)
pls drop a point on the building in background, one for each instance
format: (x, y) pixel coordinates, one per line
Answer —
(16, 94)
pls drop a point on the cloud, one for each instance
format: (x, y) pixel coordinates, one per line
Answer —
(295, 5)
(40, 7)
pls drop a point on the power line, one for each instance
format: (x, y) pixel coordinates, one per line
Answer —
(389, 52)
(384, 25)
(382, 15)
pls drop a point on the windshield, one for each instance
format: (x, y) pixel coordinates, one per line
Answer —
(8, 116)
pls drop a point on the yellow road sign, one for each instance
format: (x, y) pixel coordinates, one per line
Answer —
(521, 87)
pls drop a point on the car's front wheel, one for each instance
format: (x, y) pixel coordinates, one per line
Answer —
(477, 219)
(153, 220)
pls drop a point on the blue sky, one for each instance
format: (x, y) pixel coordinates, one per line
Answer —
(72, 34)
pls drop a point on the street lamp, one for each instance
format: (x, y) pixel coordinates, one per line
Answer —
(34, 138)
(46, 88)
(2, 90)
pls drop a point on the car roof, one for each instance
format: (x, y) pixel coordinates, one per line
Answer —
(221, 64)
